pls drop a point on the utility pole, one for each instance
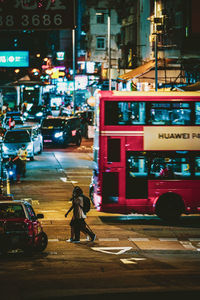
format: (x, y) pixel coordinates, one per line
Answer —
(74, 51)
(109, 49)
(156, 48)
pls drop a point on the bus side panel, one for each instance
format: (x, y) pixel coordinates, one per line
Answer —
(134, 144)
(112, 191)
(188, 190)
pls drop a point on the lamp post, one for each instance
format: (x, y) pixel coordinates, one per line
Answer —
(156, 49)
(73, 50)
(109, 49)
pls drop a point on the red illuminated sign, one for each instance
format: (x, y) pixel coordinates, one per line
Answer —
(37, 14)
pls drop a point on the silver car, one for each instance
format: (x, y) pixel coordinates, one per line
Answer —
(15, 138)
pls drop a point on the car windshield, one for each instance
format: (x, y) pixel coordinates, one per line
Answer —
(17, 121)
(35, 109)
(11, 211)
(17, 136)
(13, 114)
(53, 123)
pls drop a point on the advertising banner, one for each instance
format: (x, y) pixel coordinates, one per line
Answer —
(14, 59)
(172, 138)
(37, 14)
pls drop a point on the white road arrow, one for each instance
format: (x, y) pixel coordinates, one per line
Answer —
(64, 179)
(109, 250)
(131, 260)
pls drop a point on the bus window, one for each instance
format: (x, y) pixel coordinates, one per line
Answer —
(174, 113)
(197, 166)
(197, 113)
(113, 150)
(124, 113)
(137, 166)
(170, 168)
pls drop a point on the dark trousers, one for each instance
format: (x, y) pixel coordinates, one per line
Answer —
(81, 226)
(23, 168)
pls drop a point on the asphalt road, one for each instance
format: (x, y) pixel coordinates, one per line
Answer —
(132, 256)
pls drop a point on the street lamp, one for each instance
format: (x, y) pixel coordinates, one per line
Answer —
(74, 63)
(155, 51)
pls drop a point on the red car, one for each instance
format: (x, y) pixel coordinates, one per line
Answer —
(20, 228)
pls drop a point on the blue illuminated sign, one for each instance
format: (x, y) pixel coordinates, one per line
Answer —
(14, 59)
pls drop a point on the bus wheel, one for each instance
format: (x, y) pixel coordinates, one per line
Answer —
(169, 207)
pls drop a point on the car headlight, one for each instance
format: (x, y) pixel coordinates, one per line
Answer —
(58, 134)
(39, 114)
(5, 148)
(30, 147)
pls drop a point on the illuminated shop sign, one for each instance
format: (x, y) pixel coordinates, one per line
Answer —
(172, 138)
(14, 59)
(60, 55)
(37, 15)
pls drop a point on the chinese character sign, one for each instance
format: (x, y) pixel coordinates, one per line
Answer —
(14, 59)
(37, 14)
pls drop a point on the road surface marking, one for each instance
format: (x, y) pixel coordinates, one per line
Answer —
(132, 260)
(78, 174)
(53, 240)
(82, 173)
(138, 239)
(168, 239)
(194, 239)
(35, 202)
(107, 249)
(67, 181)
(47, 211)
(188, 245)
(109, 240)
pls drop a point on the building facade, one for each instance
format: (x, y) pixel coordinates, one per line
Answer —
(97, 36)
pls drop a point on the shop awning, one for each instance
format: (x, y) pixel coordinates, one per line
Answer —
(191, 87)
(138, 71)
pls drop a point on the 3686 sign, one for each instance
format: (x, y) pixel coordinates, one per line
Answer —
(37, 14)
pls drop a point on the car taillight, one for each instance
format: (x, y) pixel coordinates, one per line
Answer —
(30, 227)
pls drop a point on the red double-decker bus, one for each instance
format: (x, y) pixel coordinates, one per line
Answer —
(147, 153)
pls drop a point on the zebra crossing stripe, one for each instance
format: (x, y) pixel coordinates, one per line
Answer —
(168, 239)
(138, 239)
(109, 240)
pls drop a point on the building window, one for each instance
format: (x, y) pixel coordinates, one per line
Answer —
(100, 14)
(100, 18)
(100, 43)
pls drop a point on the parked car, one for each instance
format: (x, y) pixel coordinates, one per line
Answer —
(18, 122)
(16, 115)
(87, 119)
(2, 133)
(15, 138)
(37, 113)
(36, 137)
(86, 116)
(20, 228)
(61, 130)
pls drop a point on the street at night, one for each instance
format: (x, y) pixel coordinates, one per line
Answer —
(99, 149)
(133, 255)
